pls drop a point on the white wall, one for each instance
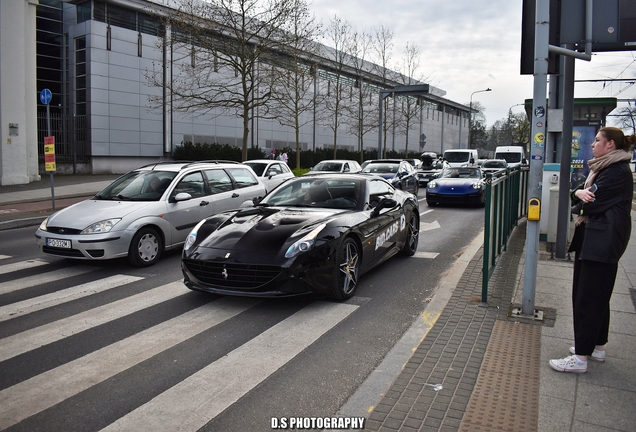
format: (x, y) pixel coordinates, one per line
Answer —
(18, 93)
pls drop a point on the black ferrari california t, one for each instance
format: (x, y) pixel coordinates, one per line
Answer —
(312, 235)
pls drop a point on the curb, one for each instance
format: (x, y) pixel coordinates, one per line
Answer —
(22, 223)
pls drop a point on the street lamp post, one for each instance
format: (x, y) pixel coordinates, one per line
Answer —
(470, 117)
(510, 121)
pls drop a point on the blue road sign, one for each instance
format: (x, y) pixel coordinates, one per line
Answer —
(45, 96)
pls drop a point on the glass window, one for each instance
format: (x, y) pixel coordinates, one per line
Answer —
(243, 177)
(149, 24)
(380, 187)
(80, 56)
(218, 181)
(274, 169)
(121, 17)
(191, 183)
(257, 167)
(83, 11)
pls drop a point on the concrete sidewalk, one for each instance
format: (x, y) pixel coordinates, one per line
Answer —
(465, 365)
(30, 204)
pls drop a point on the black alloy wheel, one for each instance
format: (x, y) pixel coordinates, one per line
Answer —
(346, 273)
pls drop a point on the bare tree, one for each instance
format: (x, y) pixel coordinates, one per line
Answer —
(626, 119)
(409, 105)
(293, 73)
(478, 135)
(363, 115)
(216, 47)
(383, 49)
(520, 130)
(335, 106)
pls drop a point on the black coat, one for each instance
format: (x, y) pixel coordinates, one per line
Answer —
(605, 235)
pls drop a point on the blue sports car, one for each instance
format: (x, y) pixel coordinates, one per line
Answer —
(457, 186)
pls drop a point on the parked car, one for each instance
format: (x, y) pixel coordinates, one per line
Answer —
(270, 172)
(496, 167)
(457, 185)
(312, 235)
(398, 172)
(430, 170)
(336, 165)
(132, 218)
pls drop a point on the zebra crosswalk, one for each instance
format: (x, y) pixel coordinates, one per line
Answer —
(177, 367)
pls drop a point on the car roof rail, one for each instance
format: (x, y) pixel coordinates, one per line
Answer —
(155, 164)
(215, 161)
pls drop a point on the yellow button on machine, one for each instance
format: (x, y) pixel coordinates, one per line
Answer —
(534, 209)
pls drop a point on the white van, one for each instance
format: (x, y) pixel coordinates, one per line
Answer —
(514, 155)
(461, 157)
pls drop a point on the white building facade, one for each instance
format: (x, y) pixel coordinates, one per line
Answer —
(106, 121)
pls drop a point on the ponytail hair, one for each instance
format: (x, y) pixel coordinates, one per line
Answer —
(615, 134)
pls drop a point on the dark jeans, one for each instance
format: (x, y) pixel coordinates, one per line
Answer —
(592, 289)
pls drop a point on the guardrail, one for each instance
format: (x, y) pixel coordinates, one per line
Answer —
(506, 203)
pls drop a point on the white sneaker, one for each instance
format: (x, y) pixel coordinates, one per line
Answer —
(597, 355)
(569, 364)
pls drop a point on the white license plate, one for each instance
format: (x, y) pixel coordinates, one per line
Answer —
(64, 244)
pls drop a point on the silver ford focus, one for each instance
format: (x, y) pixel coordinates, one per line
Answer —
(147, 211)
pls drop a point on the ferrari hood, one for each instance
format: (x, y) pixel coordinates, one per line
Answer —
(266, 229)
(85, 213)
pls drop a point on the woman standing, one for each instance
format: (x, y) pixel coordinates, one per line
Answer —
(602, 231)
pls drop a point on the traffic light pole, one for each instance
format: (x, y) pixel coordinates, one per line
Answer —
(537, 143)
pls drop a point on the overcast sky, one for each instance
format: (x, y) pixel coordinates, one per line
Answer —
(471, 45)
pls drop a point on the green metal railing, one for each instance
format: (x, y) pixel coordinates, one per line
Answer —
(506, 203)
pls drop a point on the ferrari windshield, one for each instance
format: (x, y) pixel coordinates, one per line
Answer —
(318, 192)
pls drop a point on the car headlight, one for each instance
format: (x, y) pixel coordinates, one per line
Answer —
(101, 227)
(192, 237)
(43, 224)
(477, 185)
(432, 184)
(304, 244)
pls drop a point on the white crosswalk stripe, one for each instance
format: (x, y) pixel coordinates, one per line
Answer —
(21, 265)
(49, 300)
(223, 382)
(49, 333)
(42, 278)
(187, 405)
(45, 390)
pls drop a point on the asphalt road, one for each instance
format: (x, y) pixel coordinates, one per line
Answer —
(88, 345)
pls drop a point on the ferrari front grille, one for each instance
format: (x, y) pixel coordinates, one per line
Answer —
(221, 275)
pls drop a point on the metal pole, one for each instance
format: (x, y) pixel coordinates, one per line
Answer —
(566, 156)
(382, 96)
(313, 145)
(48, 133)
(470, 123)
(541, 42)
(393, 138)
(470, 116)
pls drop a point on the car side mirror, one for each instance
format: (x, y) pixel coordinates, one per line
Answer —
(256, 200)
(384, 203)
(182, 196)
